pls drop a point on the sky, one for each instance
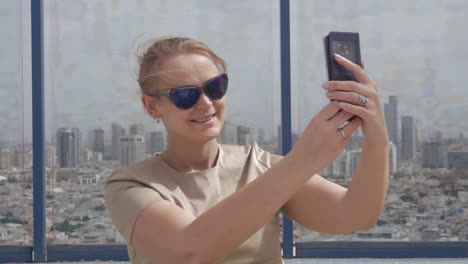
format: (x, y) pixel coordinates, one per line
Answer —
(415, 50)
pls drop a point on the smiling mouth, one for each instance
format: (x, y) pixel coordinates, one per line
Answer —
(204, 119)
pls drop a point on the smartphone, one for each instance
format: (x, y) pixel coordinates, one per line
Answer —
(347, 45)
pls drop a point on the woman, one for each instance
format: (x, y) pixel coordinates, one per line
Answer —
(203, 202)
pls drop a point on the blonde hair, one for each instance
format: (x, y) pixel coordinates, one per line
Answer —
(161, 49)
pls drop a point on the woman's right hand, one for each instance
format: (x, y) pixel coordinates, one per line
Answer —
(322, 142)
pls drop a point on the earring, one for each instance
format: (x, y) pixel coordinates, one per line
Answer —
(157, 120)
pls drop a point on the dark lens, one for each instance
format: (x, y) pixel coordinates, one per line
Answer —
(185, 98)
(217, 87)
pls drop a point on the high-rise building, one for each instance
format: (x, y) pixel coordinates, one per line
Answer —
(137, 129)
(132, 149)
(344, 161)
(86, 155)
(392, 158)
(416, 138)
(408, 138)
(90, 139)
(354, 156)
(98, 144)
(156, 142)
(433, 155)
(333, 169)
(261, 136)
(117, 132)
(438, 136)
(78, 142)
(19, 157)
(391, 119)
(51, 158)
(5, 159)
(461, 138)
(244, 136)
(279, 139)
(228, 133)
(457, 160)
(355, 141)
(68, 147)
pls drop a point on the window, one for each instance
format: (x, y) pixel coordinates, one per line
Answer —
(96, 121)
(414, 50)
(15, 142)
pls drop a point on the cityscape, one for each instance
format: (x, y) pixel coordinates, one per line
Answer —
(94, 121)
(426, 200)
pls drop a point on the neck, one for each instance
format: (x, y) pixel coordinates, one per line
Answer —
(190, 156)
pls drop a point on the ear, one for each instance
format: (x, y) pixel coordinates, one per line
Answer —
(150, 106)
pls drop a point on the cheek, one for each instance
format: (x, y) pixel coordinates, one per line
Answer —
(173, 117)
(221, 106)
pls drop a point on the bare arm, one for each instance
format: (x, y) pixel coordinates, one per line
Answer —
(364, 200)
(329, 208)
(167, 234)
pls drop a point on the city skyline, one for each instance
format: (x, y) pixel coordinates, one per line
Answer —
(435, 168)
(415, 50)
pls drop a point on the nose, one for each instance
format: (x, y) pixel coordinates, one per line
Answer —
(204, 101)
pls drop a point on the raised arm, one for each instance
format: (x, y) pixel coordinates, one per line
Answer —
(165, 233)
(329, 208)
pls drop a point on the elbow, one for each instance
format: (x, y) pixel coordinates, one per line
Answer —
(196, 254)
(193, 257)
(367, 222)
(360, 225)
(197, 258)
(370, 219)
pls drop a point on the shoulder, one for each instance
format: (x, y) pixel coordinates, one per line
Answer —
(252, 152)
(142, 171)
(127, 192)
(265, 157)
(145, 176)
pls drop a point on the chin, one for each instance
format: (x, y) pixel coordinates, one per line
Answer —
(209, 135)
(205, 134)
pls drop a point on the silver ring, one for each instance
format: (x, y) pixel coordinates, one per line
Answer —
(363, 100)
(342, 132)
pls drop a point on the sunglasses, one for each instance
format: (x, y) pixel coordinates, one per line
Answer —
(186, 97)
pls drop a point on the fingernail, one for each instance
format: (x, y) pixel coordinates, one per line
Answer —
(341, 104)
(329, 94)
(339, 56)
(326, 86)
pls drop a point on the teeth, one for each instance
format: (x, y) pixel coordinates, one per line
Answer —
(204, 119)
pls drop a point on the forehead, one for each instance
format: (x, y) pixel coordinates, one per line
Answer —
(187, 69)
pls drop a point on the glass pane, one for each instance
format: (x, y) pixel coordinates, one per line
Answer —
(94, 97)
(416, 52)
(15, 142)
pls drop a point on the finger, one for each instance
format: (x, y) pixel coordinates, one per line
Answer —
(349, 97)
(328, 111)
(340, 118)
(349, 86)
(352, 127)
(355, 110)
(355, 69)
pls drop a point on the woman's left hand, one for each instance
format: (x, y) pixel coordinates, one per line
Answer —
(361, 99)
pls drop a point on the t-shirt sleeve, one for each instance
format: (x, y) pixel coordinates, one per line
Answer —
(266, 158)
(125, 200)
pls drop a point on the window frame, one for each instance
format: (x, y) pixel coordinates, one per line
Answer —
(41, 252)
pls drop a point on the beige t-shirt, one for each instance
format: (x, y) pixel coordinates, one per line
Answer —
(130, 189)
